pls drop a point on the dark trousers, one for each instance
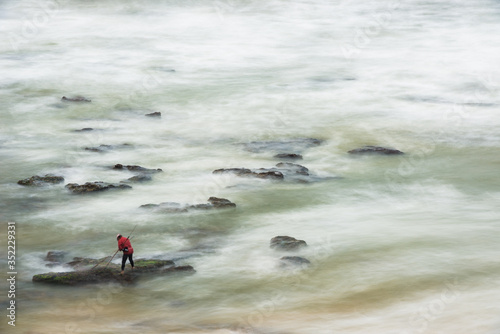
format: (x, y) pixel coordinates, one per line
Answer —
(124, 260)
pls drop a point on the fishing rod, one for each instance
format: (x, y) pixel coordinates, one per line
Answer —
(98, 263)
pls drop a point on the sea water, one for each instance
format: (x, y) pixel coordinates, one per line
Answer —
(397, 244)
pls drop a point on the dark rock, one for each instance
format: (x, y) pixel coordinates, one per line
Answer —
(287, 261)
(293, 168)
(134, 168)
(289, 145)
(289, 156)
(89, 187)
(154, 114)
(94, 271)
(85, 130)
(173, 207)
(55, 256)
(100, 148)
(261, 174)
(286, 243)
(75, 99)
(37, 181)
(138, 179)
(375, 150)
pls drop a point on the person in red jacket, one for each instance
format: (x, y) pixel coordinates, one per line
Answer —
(125, 246)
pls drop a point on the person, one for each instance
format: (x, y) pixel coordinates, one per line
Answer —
(125, 246)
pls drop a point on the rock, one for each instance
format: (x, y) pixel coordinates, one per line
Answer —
(288, 261)
(89, 187)
(221, 202)
(104, 273)
(286, 243)
(293, 168)
(134, 168)
(100, 148)
(173, 207)
(245, 172)
(138, 179)
(375, 150)
(85, 130)
(290, 145)
(75, 99)
(154, 114)
(105, 148)
(55, 256)
(38, 181)
(289, 156)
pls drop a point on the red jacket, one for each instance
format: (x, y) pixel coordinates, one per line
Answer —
(125, 243)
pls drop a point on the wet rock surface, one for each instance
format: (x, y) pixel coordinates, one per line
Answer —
(294, 261)
(90, 187)
(154, 114)
(173, 207)
(287, 145)
(85, 130)
(95, 271)
(282, 171)
(55, 256)
(375, 150)
(75, 99)
(38, 181)
(135, 168)
(105, 148)
(288, 156)
(138, 179)
(287, 243)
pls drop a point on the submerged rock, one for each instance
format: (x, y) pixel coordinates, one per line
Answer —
(375, 150)
(85, 130)
(154, 114)
(173, 207)
(287, 145)
(89, 187)
(105, 273)
(135, 168)
(286, 243)
(38, 181)
(289, 156)
(55, 256)
(245, 172)
(75, 99)
(105, 148)
(293, 168)
(138, 179)
(289, 261)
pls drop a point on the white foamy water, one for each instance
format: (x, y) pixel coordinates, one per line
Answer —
(397, 244)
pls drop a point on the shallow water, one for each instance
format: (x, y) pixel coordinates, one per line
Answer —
(398, 244)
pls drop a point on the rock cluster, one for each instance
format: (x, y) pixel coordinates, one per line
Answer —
(38, 181)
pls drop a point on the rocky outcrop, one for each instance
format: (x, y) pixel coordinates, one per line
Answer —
(85, 130)
(90, 187)
(88, 273)
(289, 156)
(375, 150)
(135, 168)
(173, 207)
(286, 243)
(154, 114)
(38, 181)
(282, 171)
(75, 99)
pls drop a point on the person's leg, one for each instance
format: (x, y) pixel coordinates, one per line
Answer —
(131, 260)
(124, 260)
